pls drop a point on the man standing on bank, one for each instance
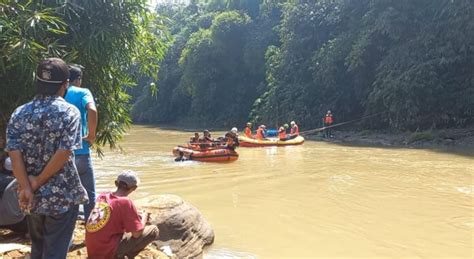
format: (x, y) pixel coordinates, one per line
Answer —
(41, 138)
(84, 101)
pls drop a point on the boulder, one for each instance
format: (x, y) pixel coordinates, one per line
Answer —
(183, 229)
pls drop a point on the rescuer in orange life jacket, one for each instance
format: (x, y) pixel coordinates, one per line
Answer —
(248, 130)
(328, 121)
(231, 139)
(206, 140)
(260, 132)
(282, 133)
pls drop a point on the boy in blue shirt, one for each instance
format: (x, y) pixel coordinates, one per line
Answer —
(82, 98)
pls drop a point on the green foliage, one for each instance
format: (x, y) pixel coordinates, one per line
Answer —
(116, 41)
(274, 61)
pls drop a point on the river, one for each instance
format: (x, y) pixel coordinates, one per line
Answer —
(315, 200)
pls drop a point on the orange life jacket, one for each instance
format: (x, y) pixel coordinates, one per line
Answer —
(328, 119)
(248, 132)
(282, 134)
(295, 131)
(259, 134)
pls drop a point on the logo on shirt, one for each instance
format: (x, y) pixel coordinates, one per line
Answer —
(99, 217)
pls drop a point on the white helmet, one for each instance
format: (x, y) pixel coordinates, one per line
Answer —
(234, 130)
(292, 123)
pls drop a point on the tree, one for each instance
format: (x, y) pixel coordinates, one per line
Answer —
(116, 41)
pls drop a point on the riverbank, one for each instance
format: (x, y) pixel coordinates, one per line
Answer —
(455, 138)
(450, 138)
(16, 245)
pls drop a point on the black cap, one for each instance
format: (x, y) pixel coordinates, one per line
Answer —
(75, 71)
(51, 72)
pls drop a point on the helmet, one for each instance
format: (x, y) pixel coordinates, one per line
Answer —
(282, 128)
(286, 126)
(262, 126)
(249, 124)
(292, 123)
(234, 130)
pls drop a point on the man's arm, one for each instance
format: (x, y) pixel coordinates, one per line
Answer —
(55, 164)
(144, 220)
(19, 171)
(91, 122)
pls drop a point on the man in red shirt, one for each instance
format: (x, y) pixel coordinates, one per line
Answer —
(114, 228)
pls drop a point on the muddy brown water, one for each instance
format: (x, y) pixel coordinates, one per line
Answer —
(315, 200)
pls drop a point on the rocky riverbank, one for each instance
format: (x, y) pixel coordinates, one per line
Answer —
(183, 232)
(454, 138)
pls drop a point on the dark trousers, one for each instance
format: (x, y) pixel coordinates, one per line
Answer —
(328, 132)
(50, 235)
(86, 173)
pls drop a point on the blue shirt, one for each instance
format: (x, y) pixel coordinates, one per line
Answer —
(38, 129)
(80, 97)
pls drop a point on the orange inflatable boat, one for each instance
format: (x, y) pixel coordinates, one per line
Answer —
(208, 155)
(250, 142)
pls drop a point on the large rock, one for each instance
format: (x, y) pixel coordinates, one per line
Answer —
(181, 225)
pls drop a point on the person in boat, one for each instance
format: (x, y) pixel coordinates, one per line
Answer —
(231, 139)
(206, 140)
(261, 133)
(294, 131)
(194, 140)
(327, 122)
(282, 133)
(248, 130)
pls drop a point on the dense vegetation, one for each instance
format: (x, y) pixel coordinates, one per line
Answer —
(271, 61)
(117, 42)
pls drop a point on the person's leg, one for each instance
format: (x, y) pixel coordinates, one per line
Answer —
(86, 173)
(130, 246)
(36, 228)
(58, 232)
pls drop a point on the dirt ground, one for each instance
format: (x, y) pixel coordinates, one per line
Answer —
(78, 250)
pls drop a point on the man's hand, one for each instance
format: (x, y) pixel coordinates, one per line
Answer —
(89, 138)
(26, 198)
(145, 216)
(34, 183)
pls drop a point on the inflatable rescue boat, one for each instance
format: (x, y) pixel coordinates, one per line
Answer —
(207, 155)
(268, 142)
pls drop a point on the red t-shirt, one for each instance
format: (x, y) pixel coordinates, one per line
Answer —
(112, 216)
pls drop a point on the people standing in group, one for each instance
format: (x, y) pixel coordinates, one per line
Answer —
(260, 135)
(115, 229)
(83, 99)
(248, 130)
(41, 138)
(294, 130)
(327, 122)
